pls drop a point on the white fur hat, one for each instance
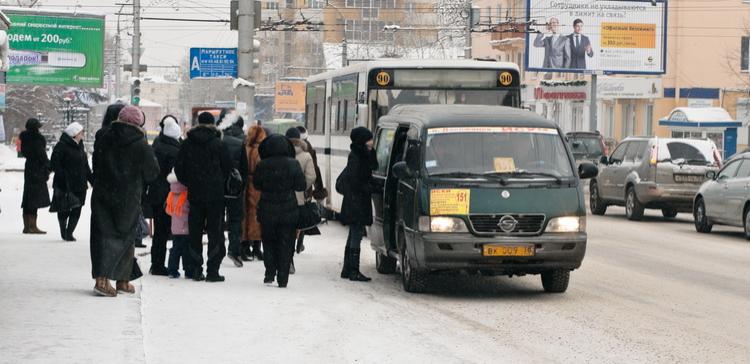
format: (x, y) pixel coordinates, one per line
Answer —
(171, 129)
(73, 129)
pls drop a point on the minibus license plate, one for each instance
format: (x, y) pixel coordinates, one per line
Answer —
(490, 250)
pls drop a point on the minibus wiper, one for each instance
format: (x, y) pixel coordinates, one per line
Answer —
(522, 173)
(469, 174)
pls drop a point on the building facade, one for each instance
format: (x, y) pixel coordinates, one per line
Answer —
(707, 65)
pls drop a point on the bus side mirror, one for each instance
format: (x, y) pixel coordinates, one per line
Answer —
(402, 171)
(711, 175)
(412, 155)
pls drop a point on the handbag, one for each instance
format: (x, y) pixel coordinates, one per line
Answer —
(63, 201)
(233, 185)
(309, 216)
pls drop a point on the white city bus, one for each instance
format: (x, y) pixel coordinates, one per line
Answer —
(358, 95)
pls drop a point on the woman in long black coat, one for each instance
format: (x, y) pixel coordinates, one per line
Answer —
(35, 176)
(123, 164)
(110, 116)
(277, 177)
(356, 209)
(72, 175)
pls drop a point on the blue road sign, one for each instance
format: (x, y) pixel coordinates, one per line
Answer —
(213, 62)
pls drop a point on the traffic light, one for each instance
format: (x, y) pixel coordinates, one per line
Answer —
(135, 92)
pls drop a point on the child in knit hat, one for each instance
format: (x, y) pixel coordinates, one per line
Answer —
(178, 208)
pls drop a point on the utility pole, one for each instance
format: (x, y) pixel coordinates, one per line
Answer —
(117, 60)
(246, 32)
(136, 72)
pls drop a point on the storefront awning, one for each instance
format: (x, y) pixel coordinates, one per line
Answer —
(700, 117)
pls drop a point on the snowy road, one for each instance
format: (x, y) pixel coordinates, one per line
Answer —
(648, 292)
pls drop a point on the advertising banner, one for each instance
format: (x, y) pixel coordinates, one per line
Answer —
(213, 63)
(625, 36)
(55, 49)
(629, 88)
(290, 96)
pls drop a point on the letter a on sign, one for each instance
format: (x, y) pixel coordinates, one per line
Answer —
(195, 65)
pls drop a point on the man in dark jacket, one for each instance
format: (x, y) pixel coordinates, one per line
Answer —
(356, 209)
(72, 176)
(230, 123)
(35, 175)
(277, 177)
(166, 146)
(202, 166)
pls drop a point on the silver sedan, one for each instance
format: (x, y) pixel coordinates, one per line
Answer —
(725, 198)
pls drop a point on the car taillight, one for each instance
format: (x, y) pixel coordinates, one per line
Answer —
(654, 155)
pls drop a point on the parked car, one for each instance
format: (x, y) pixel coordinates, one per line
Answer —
(484, 210)
(653, 173)
(725, 198)
(586, 146)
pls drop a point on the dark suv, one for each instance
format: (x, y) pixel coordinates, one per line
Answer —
(586, 146)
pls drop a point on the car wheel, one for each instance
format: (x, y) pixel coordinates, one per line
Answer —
(597, 206)
(702, 224)
(555, 281)
(633, 207)
(413, 279)
(384, 264)
(669, 213)
(747, 224)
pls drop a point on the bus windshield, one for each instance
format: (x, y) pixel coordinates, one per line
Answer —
(387, 99)
(497, 150)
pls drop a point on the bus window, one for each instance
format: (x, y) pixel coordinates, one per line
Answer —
(346, 115)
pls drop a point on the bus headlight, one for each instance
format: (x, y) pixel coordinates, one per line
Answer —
(567, 224)
(442, 224)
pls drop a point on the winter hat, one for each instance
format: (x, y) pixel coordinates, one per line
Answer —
(293, 133)
(168, 116)
(229, 119)
(302, 132)
(171, 129)
(132, 115)
(73, 129)
(33, 124)
(360, 135)
(206, 118)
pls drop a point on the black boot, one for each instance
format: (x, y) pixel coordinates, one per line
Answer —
(245, 254)
(72, 223)
(62, 220)
(354, 273)
(346, 269)
(257, 251)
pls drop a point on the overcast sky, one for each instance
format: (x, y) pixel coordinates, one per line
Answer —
(165, 42)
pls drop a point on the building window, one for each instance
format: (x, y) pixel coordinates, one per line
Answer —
(745, 54)
(316, 4)
(289, 4)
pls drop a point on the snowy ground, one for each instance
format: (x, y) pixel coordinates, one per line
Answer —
(656, 294)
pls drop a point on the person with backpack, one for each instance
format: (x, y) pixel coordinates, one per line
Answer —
(354, 184)
(230, 123)
(203, 166)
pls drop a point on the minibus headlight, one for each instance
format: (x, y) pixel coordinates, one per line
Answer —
(442, 224)
(567, 224)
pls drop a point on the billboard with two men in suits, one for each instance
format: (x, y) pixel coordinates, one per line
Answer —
(609, 37)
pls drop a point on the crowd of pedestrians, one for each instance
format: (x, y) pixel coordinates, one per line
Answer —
(220, 175)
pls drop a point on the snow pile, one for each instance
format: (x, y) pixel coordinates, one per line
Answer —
(358, 52)
(9, 159)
